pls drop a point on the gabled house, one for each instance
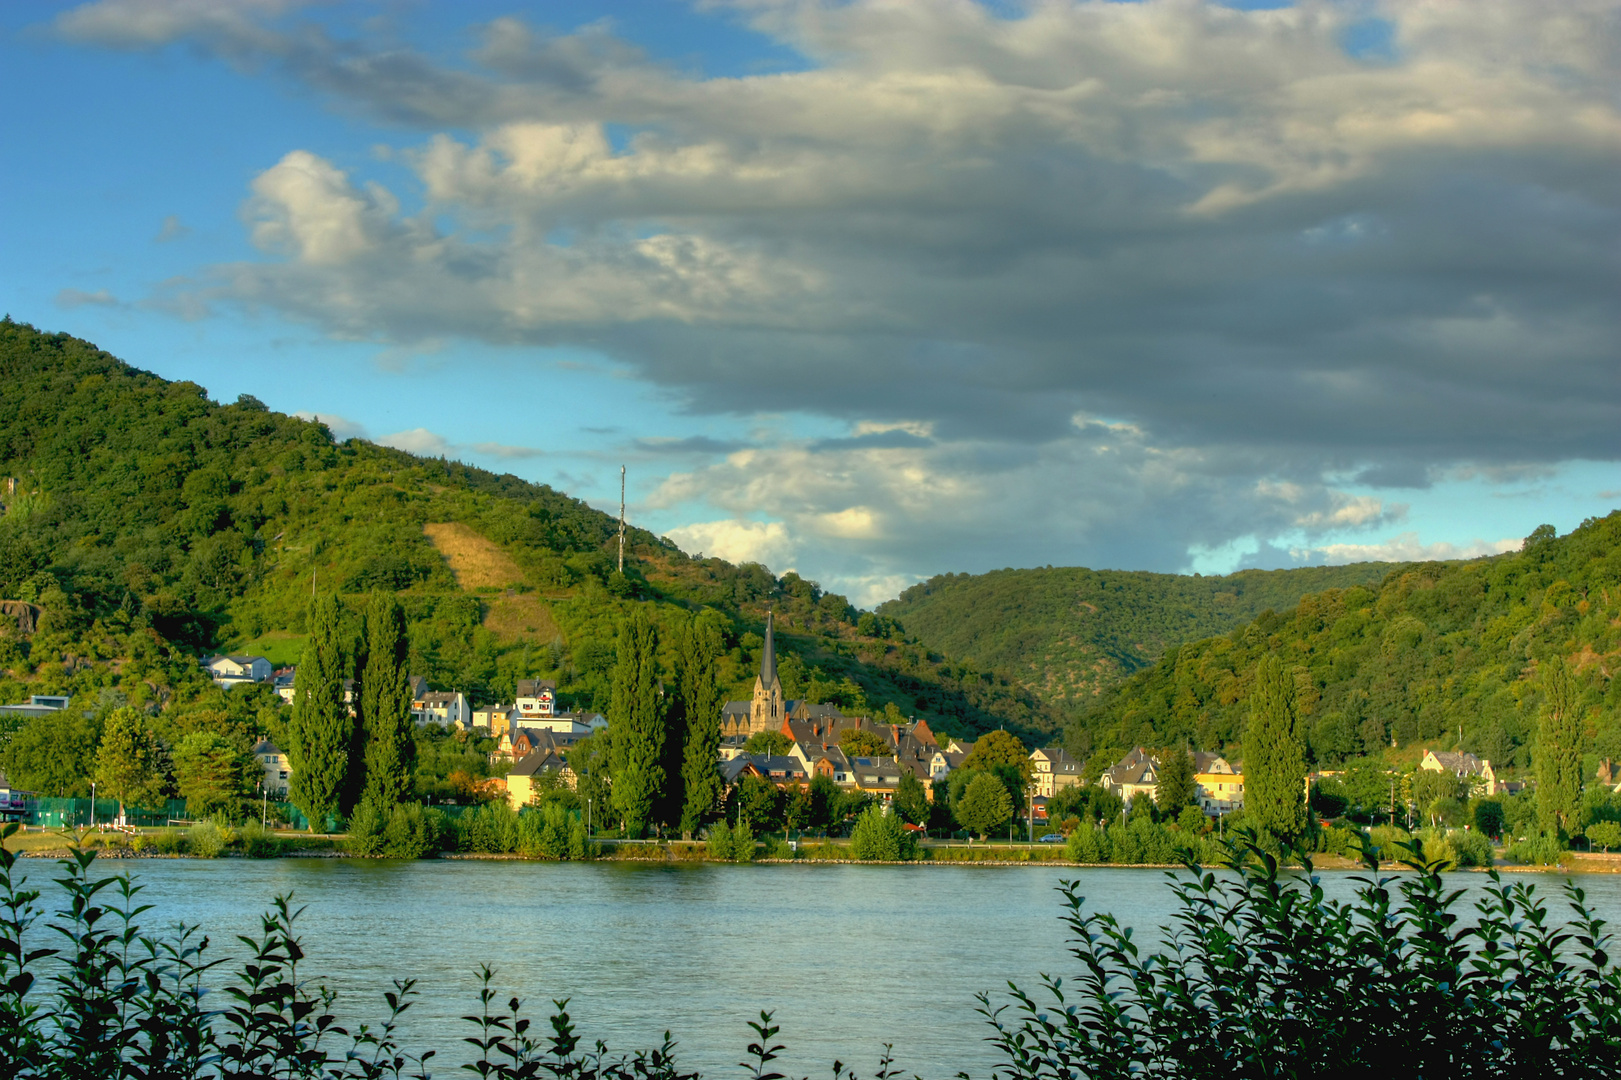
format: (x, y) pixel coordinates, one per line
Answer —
(442, 707)
(781, 769)
(277, 770)
(282, 680)
(229, 671)
(1132, 775)
(529, 776)
(828, 761)
(1470, 769)
(497, 718)
(878, 776)
(536, 698)
(1052, 771)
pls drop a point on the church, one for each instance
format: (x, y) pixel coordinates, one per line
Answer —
(767, 711)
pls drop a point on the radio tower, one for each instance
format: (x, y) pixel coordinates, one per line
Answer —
(621, 519)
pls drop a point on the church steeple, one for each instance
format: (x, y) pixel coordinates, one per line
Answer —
(766, 710)
(768, 656)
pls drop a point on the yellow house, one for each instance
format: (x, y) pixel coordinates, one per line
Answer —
(1221, 787)
(535, 772)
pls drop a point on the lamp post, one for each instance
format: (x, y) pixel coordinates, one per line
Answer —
(264, 805)
(92, 804)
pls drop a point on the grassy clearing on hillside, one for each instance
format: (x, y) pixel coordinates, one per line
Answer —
(281, 647)
(522, 616)
(476, 562)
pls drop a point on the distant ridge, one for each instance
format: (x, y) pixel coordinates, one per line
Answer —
(1068, 633)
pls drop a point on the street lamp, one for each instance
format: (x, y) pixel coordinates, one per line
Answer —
(92, 804)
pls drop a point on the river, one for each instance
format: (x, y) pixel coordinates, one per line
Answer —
(847, 957)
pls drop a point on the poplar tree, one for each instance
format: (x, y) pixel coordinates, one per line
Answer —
(1274, 754)
(319, 733)
(636, 725)
(1558, 756)
(699, 696)
(385, 703)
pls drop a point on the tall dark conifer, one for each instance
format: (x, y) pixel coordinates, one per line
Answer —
(1558, 751)
(385, 703)
(1274, 754)
(636, 724)
(320, 731)
(699, 696)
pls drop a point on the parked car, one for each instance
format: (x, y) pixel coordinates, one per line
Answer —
(1053, 838)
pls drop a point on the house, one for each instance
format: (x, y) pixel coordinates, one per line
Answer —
(229, 671)
(12, 804)
(533, 772)
(442, 707)
(1470, 769)
(38, 705)
(878, 776)
(497, 718)
(1132, 775)
(781, 769)
(569, 723)
(1053, 770)
(828, 761)
(1221, 787)
(536, 698)
(282, 681)
(273, 763)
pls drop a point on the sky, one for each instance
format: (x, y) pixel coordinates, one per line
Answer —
(873, 289)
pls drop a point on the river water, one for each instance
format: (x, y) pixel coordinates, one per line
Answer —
(847, 957)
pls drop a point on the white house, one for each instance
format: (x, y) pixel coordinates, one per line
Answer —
(275, 766)
(442, 707)
(536, 698)
(1054, 769)
(229, 671)
(38, 705)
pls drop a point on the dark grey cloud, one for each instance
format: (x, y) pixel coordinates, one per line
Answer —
(983, 240)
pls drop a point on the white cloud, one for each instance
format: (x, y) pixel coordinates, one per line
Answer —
(173, 229)
(1406, 547)
(341, 427)
(1137, 279)
(73, 298)
(737, 541)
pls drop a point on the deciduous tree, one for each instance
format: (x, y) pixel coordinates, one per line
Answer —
(131, 765)
(985, 805)
(212, 773)
(859, 742)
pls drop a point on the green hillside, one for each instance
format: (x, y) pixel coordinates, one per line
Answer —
(1067, 633)
(148, 526)
(1441, 653)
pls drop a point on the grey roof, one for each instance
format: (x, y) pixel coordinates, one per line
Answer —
(538, 762)
(265, 746)
(533, 687)
(735, 708)
(1460, 763)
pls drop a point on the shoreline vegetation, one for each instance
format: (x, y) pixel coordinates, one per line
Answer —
(1261, 974)
(57, 844)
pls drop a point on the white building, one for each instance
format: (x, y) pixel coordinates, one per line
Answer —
(229, 671)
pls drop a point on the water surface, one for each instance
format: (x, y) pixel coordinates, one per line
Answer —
(847, 957)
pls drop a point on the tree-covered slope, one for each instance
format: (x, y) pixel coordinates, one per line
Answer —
(149, 526)
(1443, 653)
(1066, 633)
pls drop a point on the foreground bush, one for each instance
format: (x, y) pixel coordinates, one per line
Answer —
(879, 837)
(1262, 975)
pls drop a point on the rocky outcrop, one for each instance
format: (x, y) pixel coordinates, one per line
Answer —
(26, 614)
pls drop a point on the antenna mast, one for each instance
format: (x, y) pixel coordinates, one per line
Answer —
(621, 519)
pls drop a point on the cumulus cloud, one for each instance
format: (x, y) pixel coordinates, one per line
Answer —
(738, 541)
(1138, 277)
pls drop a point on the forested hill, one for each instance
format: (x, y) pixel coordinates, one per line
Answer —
(144, 526)
(1442, 653)
(1066, 633)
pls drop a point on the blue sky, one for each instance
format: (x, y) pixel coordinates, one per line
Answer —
(873, 291)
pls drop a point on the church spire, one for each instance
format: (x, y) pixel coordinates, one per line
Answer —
(768, 656)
